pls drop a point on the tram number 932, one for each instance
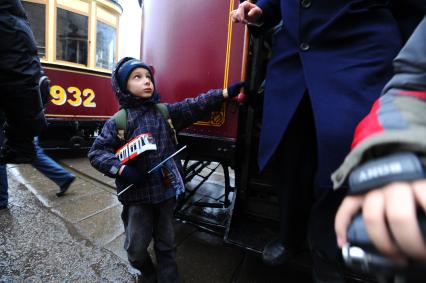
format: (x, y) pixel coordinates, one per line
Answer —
(73, 95)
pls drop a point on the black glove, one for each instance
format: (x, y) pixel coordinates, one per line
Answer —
(132, 175)
(44, 84)
(234, 89)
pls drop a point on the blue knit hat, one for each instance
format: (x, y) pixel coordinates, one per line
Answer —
(119, 79)
(126, 69)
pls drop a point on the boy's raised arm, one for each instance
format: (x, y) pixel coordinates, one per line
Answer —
(190, 110)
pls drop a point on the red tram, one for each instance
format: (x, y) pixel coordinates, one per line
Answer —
(77, 44)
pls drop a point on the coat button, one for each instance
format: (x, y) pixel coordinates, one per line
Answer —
(304, 46)
(306, 3)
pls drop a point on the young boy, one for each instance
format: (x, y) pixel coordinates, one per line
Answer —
(148, 205)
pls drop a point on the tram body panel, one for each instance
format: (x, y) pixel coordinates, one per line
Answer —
(78, 95)
(194, 48)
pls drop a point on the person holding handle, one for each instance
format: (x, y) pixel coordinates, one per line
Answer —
(329, 62)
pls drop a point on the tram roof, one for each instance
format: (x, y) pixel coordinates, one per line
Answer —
(115, 2)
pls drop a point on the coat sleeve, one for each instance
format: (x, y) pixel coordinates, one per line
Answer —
(397, 120)
(190, 110)
(102, 153)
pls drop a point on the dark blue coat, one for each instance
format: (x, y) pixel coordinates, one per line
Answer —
(340, 53)
(18, 52)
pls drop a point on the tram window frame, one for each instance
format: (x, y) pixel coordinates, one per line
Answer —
(98, 60)
(38, 25)
(80, 38)
(93, 11)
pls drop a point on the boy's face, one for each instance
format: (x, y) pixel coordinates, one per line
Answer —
(140, 83)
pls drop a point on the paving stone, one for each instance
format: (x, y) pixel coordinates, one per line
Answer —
(27, 173)
(83, 165)
(77, 209)
(103, 227)
(116, 246)
(46, 190)
(39, 246)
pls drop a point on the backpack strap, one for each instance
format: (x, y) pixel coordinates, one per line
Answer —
(120, 118)
(162, 107)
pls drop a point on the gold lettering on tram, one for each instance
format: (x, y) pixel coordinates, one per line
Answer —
(73, 95)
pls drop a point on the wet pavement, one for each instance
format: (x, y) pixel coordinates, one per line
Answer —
(79, 237)
(37, 245)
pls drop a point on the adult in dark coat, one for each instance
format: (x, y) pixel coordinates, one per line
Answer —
(330, 61)
(20, 71)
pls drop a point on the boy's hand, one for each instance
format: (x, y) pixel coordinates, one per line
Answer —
(233, 90)
(132, 175)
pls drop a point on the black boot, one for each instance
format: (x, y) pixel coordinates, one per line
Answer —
(275, 253)
(64, 188)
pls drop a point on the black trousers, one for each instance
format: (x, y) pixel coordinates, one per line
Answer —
(306, 211)
(142, 223)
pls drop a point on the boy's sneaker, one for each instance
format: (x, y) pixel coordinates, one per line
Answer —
(64, 187)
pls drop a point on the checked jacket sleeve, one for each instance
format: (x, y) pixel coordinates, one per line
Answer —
(190, 110)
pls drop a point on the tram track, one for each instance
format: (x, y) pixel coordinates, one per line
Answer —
(88, 174)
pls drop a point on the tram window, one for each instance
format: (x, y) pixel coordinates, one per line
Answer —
(71, 37)
(37, 16)
(105, 46)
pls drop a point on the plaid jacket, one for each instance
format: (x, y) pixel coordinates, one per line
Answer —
(148, 119)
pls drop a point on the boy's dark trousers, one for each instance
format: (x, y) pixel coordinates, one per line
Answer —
(142, 222)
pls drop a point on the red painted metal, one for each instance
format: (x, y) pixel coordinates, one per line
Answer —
(100, 106)
(186, 42)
